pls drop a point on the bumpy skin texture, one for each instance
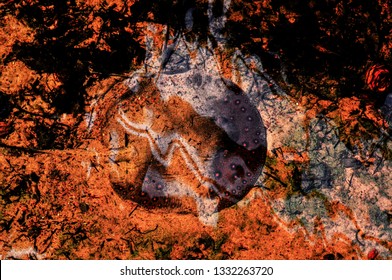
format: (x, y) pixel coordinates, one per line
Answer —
(238, 163)
(163, 150)
(240, 119)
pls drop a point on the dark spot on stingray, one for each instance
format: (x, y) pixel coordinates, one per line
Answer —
(234, 191)
(218, 174)
(218, 83)
(227, 193)
(237, 102)
(159, 186)
(245, 144)
(249, 118)
(256, 141)
(197, 80)
(232, 118)
(243, 109)
(240, 171)
(244, 182)
(208, 79)
(233, 166)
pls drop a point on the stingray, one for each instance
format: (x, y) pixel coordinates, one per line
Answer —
(163, 151)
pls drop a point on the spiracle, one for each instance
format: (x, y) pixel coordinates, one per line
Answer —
(163, 150)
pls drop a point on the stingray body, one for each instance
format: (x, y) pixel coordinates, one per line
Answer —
(165, 154)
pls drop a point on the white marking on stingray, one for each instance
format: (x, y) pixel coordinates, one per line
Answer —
(163, 151)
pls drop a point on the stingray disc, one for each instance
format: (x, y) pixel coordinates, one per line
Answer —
(168, 148)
